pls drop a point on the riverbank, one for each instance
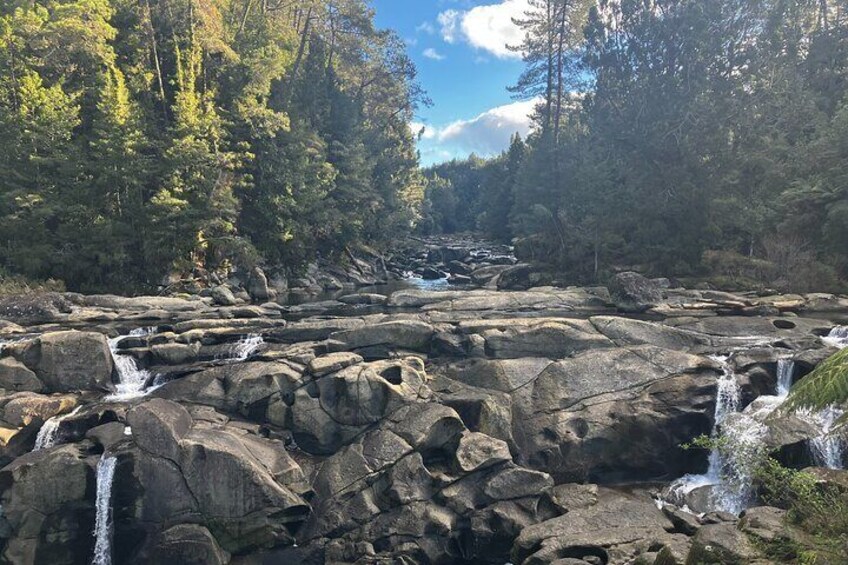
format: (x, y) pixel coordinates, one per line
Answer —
(394, 422)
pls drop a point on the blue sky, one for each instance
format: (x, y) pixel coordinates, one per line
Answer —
(459, 49)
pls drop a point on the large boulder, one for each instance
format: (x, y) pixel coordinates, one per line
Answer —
(48, 506)
(223, 296)
(603, 415)
(619, 528)
(71, 361)
(186, 544)
(722, 543)
(631, 292)
(257, 286)
(419, 488)
(16, 377)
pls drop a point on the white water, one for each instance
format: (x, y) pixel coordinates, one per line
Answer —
(838, 337)
(728, 401)
(103, 505)
(785, 372)
(132, 379)
(245, 347)
(49, 433)
(827, 448)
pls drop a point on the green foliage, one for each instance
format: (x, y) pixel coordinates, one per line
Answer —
(819, 510)
(826, 385)
(709, 141)
(146, 137)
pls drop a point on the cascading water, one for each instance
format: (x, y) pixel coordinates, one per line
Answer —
(245, 347)
(103, 505)
(49, 433)
(826, 448)
(132, 379)
(785, 373)
(728, 401)
(838, 337)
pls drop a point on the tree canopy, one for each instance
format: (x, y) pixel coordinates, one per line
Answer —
(677, 137)
(144, 137)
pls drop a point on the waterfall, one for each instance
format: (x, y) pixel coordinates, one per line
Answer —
(103, 521)
(132, 379)
(826, 448)
(245, 347)
(838, 337)
(785, 372)
(728, 401)
(49, 432)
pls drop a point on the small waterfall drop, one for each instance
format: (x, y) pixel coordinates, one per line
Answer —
(132, 379)
(785, 373)
(838, 337)
(245, 347)
(103, 505)
(827, 448)
(728, 401)
(49, 433)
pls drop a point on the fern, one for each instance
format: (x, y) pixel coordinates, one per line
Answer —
(826, 385)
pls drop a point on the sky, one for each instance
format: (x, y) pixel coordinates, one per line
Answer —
(459, 47)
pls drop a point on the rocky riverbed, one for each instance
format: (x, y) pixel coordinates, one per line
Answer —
(469, 424)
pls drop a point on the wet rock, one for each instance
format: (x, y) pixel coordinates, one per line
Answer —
(631, 292)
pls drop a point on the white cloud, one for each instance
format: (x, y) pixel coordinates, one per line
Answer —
(450, 21)
(425, 27)
(431, 53)
(489, 27)
(486, 135)
(490, 132)
(426, 131)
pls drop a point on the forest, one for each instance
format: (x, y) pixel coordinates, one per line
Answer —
(681, 138)
(143, 138)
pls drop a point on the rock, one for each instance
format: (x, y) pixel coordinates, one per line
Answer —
(765, 523)
(26, 407)
(333, 362)
(48, 506)
(517, 277)
(15, 377)
(554, 340)
(631, 292)
(403, 334)
(73, 361)
(188, 544)
(32, 309)
(618, 529)
(721, 543)
(478, 451)
(364, 299)
(158, 426)
(223, 296)
(107, 435)
(257, 286)
(483, 275)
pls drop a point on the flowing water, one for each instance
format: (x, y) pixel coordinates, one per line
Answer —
(103, 505)
(132, 379)
(48, 435)
(838, 337)
(728, 401)
(785, 373)
(245, 347)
